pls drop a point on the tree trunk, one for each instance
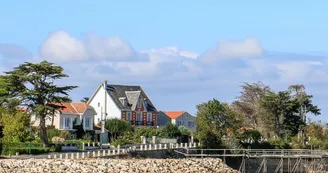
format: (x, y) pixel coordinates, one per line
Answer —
(43, 131)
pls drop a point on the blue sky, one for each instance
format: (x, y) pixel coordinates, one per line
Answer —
(181, 52)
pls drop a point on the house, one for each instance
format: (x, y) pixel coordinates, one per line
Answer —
(162, 119)
(72, 114)
(182, 118)
(125, 102)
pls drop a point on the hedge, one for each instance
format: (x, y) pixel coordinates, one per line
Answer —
(23, 148)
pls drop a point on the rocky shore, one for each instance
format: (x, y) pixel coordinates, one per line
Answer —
(207, 165)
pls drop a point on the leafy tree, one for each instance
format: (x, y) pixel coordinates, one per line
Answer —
(117, 127)
(34, 86)
(15, 125)
(85, 99)
(170, 131)
(249, 105)
(213, 118)
(185, 131)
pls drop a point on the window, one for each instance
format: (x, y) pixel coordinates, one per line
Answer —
(128, 116)
(139, 103)
(180, 123)
(67, 123)
(149, 117)
(139, 116)
(87, 122)
(191, 124)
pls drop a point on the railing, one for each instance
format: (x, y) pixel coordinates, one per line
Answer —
(253, 152)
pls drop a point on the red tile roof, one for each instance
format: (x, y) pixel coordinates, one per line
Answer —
(174, 114)
(73, 107)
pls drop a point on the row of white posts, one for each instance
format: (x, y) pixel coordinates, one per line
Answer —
(148, 147)
(82, 155)
(118, 151)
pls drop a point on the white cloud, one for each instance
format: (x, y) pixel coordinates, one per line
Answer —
(228, 49)
(61, 47)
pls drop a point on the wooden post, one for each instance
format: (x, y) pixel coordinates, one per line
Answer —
(66, 156)
(72, 155)
(77, 155)
(83, 155)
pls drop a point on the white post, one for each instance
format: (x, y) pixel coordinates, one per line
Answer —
(93, 154)
(186, 145)
(83, 146)
(155, 146)
(49, 156)
(190, 145)
(146, 147)
(98, 153)
(160, 146)
(83, 155)
(181, 145)
(194, 145)
(165, 146)
(88, 144)
(93, 144)
(88, 154)
(55, 156)
(118, 146)
(192, 139)
(149, 146)
(77, 155)
(123, 151)
(199, 144)
(60, 156)
(141, 147)
(108, 152)
(176, 145)
(113, 152)
(72, 155)
(104, 153)
(118, 151)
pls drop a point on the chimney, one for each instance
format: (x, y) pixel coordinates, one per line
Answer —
(105, 83)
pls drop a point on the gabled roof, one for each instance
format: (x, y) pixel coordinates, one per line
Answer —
(174, 114)
(73, 108)
(131, 93)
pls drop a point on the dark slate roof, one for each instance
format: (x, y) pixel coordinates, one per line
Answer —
(132, 94)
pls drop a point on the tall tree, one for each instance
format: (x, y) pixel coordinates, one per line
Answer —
(34, 85)
(85, 99)
(249, 105)
(306, 105)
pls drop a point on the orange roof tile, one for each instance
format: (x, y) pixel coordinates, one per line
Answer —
(80, 107)
(73, 107)
(174, 114)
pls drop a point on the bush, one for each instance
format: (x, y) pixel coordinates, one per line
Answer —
(121, 142)
(9, 147)
(52, 132)
(65, 134)
(279, 143)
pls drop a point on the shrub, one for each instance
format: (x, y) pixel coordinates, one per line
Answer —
(279, 143)
(9, 147)
(57, 140)
(65, 134)
(52, 132)
(121, 142)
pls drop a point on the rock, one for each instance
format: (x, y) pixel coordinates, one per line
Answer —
(192, 165)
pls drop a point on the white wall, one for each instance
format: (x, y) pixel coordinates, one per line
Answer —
(89, 113)
(62, 122)
(112, 110)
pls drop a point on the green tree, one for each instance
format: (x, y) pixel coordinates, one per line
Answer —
(85, 99)
(117, 127)
(15, 125)
(34, 86)
(170, 131)
(213, 118)
(185, 131)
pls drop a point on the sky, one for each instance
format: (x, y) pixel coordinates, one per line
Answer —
(182, 53)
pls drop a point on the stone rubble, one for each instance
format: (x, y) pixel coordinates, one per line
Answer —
(206, 165)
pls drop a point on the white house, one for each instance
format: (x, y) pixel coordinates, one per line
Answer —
(72, 114)
(123, 102)
(182, 118)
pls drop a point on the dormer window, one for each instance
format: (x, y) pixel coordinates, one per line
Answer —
(123, 100)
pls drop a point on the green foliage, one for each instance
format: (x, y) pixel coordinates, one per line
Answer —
(185, 131)
(213, 119)
(11, 147)
(16, 125)
(34, 86)
(251, 134)
(170, 131)
(65, 134)
(279, 143)
(117, 127)
(52, 132)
